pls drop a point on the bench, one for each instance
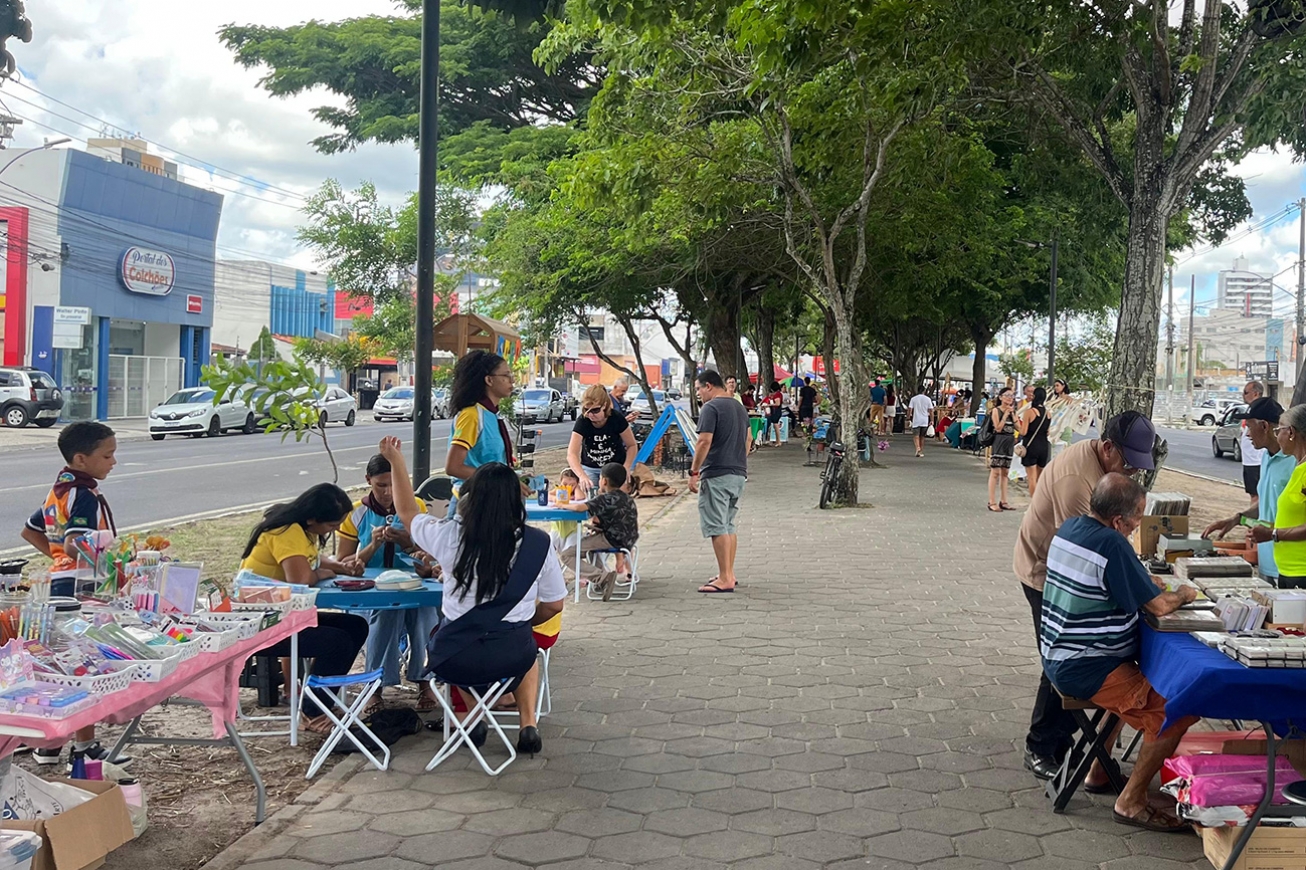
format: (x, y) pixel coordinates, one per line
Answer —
(1096, 732)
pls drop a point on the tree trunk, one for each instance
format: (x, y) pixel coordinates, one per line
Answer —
(828, 351)
(1132, 384)
(853, 403)
(723, 334)
(628, 326)
(981, 336)
(765, 344)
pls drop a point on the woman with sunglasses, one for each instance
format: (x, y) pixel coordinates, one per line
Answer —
(599, 437)
(1289, 531)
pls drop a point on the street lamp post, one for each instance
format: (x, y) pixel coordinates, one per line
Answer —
(26, 151)
(427, 166)
(1052, 303)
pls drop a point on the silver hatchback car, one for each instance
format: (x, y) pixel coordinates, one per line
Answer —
(1227, 438)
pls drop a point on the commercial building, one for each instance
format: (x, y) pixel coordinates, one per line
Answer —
(1225, 339)
(253, 295)
(1250, 294)
(108, 276)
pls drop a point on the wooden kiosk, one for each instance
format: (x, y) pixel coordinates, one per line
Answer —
(459, 333)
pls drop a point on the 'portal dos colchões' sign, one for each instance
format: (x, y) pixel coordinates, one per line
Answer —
(150, 272)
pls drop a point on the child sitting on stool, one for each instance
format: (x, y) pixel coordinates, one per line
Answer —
(614, 524)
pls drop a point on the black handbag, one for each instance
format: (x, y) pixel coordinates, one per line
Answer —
(986, 432)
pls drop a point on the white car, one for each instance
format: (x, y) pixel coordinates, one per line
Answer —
(192, 412)
(396, 403)
(337, 406)
(1210, 411)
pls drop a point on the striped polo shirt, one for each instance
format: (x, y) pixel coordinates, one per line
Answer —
(1095, 589)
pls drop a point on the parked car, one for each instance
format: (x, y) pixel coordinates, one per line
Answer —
(1207, 413)
(539, 405)
(641, 404)
(1228, 438)
(395, 403)
(337, 406)
(674, 394)
(29, 395)
(440, 402)
(192, 412)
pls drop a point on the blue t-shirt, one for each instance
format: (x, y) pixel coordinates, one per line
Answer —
(1095, 588)
(877, 395)
(1275, 471)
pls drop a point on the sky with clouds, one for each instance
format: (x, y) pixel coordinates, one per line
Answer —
(146, 69)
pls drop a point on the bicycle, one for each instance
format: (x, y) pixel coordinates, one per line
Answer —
(830, 474)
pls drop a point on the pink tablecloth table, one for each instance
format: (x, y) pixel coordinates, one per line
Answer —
(209, 679)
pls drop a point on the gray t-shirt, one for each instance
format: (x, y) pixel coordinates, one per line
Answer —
(727, 420)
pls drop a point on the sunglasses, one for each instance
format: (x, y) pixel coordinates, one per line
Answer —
(589, 411)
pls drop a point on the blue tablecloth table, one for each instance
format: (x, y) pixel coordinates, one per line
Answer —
(538, 513)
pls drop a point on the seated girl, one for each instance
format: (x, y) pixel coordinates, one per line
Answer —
(501, 578)
(286, 545)
(373, 537)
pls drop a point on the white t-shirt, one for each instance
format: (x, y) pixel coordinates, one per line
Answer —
(1251, 455)
(921, 405)
(442, 538)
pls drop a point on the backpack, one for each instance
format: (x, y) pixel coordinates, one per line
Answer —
(389, 726)
(986, 434)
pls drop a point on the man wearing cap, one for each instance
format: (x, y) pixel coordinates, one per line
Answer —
(1064, 490)
(1276, 467)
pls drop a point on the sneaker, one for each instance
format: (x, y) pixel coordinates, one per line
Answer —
(48, 756)
(96, 752)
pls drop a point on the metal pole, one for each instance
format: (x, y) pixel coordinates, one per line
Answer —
(1052, 317)
(426, 178)
(1301, 287)
(1192, 362)
(1169, 352)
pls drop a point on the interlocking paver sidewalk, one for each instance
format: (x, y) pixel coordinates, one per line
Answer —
(859, 702)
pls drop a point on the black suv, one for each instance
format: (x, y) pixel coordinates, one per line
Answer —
(29, 395)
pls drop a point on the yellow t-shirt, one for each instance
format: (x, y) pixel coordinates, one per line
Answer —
(273, 547)
(1290, 556)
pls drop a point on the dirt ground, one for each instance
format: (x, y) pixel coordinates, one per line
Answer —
(201, 799)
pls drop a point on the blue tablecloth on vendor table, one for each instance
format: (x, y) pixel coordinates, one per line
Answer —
(331, 597)
(537, 513)
(1196, 680)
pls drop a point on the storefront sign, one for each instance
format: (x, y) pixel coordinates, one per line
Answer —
(148, 272)
(73, 315)
(194, 304)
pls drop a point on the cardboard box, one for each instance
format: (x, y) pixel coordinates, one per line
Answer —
(1293, 750)
(80, 838)
(1268, 849)
(1149, 532)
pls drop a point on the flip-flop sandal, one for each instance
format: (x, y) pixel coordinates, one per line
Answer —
(1147, 820)
(709, 589)
(426, 704)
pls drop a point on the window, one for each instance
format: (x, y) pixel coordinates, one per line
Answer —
(4, 379)
(591, 332)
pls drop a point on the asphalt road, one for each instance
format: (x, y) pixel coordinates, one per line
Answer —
(1190, 450)
(159, 482)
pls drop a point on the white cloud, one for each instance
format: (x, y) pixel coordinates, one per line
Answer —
(148, 68)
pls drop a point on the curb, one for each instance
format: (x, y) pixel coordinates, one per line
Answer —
(1205, 477)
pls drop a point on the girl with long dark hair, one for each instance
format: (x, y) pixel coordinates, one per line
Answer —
(481, 380)
(285, 545)
(1004, 447)
(501, 577)
(1033, 428)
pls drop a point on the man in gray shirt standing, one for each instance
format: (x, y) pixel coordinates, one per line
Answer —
(718, 474)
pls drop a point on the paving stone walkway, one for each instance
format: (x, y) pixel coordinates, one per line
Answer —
(860, 702)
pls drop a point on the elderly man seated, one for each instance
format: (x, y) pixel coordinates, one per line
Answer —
(1096, 588)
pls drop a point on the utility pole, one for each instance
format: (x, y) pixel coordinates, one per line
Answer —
(428, 139)
(1192, 305)
(1301, 287)
(1169, 350)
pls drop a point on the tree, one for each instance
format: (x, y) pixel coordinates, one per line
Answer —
(264, 347)
(1084, 360)
(283, 393)
(346, 355)
(1151, 106)
(1018, 365)
(487, 74)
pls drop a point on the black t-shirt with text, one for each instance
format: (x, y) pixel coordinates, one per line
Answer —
(602, 444)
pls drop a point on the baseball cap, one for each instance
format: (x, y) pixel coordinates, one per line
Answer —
(1265, 409)
(1133, 436)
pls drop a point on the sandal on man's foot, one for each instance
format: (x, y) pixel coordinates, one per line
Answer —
(317, 725)
(1152, 819)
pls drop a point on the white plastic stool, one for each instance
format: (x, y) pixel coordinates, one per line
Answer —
(367, 684)
(624, 589)
(461, 731)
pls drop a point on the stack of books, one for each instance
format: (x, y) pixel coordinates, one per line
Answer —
(1186, 620)
(1193, 567)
